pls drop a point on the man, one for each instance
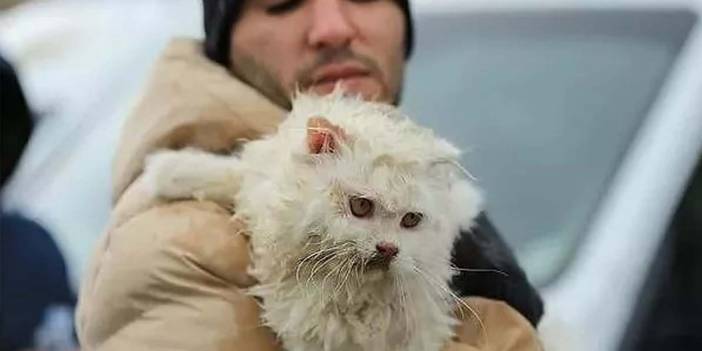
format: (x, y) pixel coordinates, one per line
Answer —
(173, 275)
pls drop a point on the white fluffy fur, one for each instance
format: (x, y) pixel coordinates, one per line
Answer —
(309, 252)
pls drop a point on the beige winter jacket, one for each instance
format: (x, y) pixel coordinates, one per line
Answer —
(171, 276)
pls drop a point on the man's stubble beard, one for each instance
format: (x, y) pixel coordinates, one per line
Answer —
(255, 74)
(260, 77)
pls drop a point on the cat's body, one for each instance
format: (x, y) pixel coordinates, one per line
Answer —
(353, 210)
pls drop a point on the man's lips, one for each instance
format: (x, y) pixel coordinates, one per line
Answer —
(335, 72)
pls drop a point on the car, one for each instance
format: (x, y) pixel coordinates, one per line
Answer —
(581, 120)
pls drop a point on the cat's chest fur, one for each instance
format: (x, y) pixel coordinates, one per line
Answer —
(373, 318)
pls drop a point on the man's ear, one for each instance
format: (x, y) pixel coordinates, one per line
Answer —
(323, 136)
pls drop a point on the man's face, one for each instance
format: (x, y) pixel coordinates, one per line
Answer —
(279, 46)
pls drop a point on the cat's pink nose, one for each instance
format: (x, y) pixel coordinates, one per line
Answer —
(387, 250)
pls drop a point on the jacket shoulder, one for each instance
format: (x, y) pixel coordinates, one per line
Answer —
(167, 262)
(187, 233)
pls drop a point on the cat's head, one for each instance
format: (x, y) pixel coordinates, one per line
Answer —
(375, 195)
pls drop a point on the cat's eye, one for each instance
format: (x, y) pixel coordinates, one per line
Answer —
(411, 219)
(361, 207)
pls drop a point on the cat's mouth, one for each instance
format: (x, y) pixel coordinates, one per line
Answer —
(378, 262)
(385, 253)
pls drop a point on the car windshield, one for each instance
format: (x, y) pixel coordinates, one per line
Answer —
(545, 104)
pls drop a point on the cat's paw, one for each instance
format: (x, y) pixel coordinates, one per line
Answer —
(161, 173)
(192, 174)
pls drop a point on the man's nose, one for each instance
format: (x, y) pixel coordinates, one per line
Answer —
(331, 24)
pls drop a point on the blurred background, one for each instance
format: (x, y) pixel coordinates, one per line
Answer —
(582, 121)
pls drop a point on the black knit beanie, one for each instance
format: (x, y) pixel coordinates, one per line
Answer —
(220, 15)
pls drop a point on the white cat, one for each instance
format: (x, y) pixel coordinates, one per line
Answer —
(353, 210)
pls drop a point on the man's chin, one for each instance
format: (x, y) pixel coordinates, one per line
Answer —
(368, 88)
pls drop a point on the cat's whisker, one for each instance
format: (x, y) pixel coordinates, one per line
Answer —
(348, 270)
(338, 249)
(442, 290)
(309, 257)
(437, 288)
(465, 171)
(462, 304)
(324, 247)
(317, 266)
(339, 281)
(358, 270)
(300, 265)
(337, 271)
(315, 254)
(397, 289)
(351, 271)
(334, 271)
(331, 272)
(479, 270)
(402, 296)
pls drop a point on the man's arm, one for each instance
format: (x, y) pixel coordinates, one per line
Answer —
(172, 277)
(483, 249)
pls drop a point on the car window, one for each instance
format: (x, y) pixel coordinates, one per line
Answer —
(545, 105)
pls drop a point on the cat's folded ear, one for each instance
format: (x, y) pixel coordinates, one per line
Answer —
(323, 136)
(466, 202)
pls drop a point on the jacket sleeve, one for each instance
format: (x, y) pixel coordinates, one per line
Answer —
(172, 278)
(484, 249)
